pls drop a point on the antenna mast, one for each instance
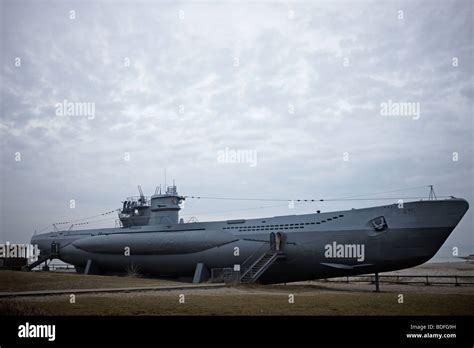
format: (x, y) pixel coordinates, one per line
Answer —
(142, 196)
(432, 196)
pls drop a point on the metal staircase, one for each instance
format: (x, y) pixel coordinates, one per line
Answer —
(252, 273)
(38, 262)
(54, 254)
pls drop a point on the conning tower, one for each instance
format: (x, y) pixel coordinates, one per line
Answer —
(165, 207)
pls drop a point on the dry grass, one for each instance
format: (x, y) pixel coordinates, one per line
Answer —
(313, 298)
(31, 281)
(20, 308)
(159, 303)
(254, 300)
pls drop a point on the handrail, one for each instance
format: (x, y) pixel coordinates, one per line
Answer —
(249, 261)
(137, 198)
(253, 273)
(425, 279)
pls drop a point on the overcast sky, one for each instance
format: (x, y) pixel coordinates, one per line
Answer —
(299, 85)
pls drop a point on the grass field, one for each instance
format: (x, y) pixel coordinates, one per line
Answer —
(309, 299)
(242, 304)
(30, 281)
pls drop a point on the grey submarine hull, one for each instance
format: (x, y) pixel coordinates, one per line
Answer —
(387, 238)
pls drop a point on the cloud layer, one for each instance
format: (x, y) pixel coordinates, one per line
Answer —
(173, 84)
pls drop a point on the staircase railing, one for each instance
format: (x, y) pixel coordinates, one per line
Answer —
(254, 272)
(38, 262)
(249, 261)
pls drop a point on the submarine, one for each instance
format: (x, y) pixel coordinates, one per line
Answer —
(153, 239)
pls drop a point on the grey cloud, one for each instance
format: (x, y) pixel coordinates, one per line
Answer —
(190, 62)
